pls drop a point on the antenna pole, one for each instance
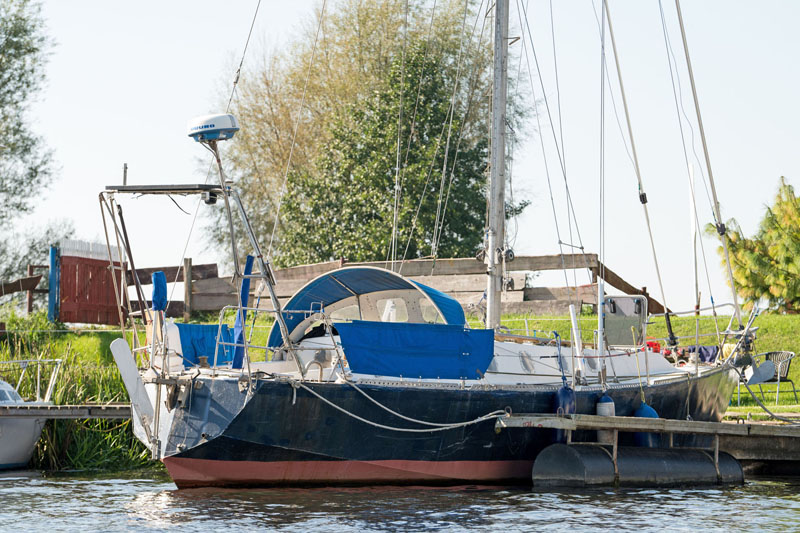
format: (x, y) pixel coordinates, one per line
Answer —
(497, 180)
(720, 224)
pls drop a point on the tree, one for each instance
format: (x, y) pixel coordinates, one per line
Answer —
(353, 83)
(346, 209)
(767, 265)
(24, 163)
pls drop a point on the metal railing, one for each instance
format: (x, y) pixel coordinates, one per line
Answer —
(20, 369)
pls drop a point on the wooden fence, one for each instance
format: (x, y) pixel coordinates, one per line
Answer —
(462, 278)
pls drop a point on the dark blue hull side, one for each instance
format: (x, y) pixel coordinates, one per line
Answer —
(285, 435)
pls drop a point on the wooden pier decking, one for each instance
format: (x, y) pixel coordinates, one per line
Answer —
(71, 412)
(761, 447)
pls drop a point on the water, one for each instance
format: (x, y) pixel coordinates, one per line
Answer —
(150, 502)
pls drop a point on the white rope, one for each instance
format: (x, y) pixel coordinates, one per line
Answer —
(490, 416)
(395, 413)
(296, 128)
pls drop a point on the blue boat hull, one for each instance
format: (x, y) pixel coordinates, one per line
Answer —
(283, 435)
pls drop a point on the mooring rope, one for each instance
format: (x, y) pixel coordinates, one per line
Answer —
(789, 421)
(295, 384)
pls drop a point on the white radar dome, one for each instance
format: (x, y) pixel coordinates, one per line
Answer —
(212, 127)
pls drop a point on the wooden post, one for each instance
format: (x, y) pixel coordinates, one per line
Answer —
(30, 292)
(187, 288)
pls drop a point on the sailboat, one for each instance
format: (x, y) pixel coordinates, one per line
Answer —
(371, 377)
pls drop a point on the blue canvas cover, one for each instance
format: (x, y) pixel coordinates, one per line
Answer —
(335, 286)
(159, 290)
(201, 339)
(241, 316)
(427, 351)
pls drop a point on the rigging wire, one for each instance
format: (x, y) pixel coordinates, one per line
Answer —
(512, 241)
(440, 219)
(436, 151)
(637, 170)
(296, 128)
(693, 143)
(236, 77)
(544, 151)
(396, 207)
(686, 158)
(559, 148)
(602, 247)
(451, 113)
(561, 136)
(412, 129)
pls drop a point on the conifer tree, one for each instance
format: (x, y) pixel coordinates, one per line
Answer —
(767, 265)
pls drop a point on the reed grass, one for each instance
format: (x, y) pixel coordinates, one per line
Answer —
(87, 375)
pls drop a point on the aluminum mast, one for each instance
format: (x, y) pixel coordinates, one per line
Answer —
(497, 181)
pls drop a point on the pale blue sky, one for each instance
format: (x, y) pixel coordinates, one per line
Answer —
(124, 78)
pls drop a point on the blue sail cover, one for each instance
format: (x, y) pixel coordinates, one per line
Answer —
(428, 351)
(340, 284)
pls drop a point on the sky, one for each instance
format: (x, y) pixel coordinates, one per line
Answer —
(123, 79)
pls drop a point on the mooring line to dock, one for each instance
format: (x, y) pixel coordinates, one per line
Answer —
(789, 421)
(441, 427)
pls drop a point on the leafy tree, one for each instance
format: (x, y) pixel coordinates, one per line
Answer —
(24, 163)
(346, 209)
(767, 265)
(354, 83)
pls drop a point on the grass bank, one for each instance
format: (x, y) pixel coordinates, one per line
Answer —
(88, 374)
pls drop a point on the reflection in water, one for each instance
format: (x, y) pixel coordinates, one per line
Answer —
(152, 503)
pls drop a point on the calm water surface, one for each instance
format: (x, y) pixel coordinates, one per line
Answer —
(150, 502)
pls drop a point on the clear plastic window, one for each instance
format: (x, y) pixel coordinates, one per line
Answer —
(4, 396)
(351, 312)
(430, 314)
(392, 310)
(14, 395)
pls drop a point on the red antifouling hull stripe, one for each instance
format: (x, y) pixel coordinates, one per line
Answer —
(186, 472)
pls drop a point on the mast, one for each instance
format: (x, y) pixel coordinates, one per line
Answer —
(720, 224)
(497, 179)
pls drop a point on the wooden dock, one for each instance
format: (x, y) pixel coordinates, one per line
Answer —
(761, 447)
(66, 412)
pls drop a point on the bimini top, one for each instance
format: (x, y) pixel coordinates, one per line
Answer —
(366, 293)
